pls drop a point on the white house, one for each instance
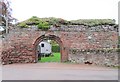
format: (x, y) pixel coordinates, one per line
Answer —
(1, 29)
(45, 48)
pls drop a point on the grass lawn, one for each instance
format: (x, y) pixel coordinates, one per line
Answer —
(55, 58)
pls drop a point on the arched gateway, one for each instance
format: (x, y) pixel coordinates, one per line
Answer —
(64, 56)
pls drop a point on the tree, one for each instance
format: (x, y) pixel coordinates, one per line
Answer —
(7, 12)
(8, 9)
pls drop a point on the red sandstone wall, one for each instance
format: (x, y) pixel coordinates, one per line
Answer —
(18, 45)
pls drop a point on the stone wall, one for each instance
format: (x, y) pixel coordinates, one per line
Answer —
(0, 48)
(19, 44)
(79, 28)
(106, 57)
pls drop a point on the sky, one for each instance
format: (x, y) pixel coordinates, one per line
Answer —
(66, 9)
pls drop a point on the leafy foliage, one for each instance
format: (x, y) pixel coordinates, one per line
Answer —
(8, 9)
(54, 21)
(56, 48)
(59, 21)
(23, 25)
(53, 43)
(43, 26)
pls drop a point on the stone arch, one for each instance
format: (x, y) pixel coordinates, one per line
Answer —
(63, 51)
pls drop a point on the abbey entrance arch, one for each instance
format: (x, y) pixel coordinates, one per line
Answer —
(64, 56)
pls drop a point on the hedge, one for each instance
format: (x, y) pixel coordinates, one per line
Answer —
(55, 48)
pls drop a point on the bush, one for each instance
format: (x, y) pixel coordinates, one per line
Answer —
(55, 48)
(23, 25)
(54, 21)
(43, 26)
(33, 20)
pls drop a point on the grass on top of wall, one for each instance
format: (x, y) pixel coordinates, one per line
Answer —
(54, 58)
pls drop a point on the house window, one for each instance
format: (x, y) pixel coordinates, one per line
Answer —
(42, 45)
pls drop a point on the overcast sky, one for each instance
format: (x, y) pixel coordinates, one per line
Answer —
(66, 9)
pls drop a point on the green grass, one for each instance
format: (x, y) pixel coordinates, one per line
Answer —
(55, 58)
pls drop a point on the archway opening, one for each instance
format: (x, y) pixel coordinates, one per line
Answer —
(57, 55)
(49, 51)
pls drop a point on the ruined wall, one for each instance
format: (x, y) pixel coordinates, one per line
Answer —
(18, 46)
(104, 57)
